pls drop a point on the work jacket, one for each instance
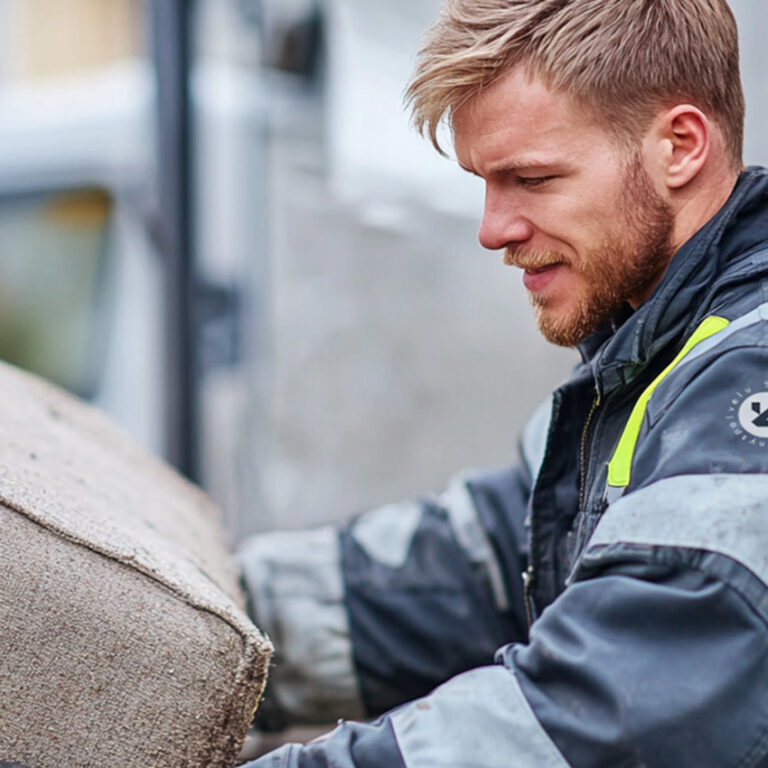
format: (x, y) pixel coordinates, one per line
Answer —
(639, 517)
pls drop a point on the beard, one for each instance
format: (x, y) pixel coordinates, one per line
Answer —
(626, 264)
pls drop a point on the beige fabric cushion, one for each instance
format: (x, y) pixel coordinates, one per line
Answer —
(123, 640)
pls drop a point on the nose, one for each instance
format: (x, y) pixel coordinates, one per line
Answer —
(504, 223)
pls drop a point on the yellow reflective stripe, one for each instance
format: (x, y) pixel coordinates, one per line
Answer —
(620, 465)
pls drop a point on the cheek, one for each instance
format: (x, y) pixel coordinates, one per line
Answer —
(601, 190)
(599, 218)
(583, 215)
(580, 211)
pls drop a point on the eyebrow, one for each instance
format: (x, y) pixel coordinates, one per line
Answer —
(512, 165)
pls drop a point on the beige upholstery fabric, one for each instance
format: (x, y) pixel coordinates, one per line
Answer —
(123, 640)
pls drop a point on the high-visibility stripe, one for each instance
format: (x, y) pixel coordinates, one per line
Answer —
(620, 466)
(473, 538)
(480, 719)
(295, 583)
(386, 533)
(757, 315)
(535, 433)
(726, 514)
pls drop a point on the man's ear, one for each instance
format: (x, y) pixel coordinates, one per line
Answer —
(685, 138)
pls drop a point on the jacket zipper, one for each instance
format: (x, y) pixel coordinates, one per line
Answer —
(583, 459)
(530, 608)
(529, 574)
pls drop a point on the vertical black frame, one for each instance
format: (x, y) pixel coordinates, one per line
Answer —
(171, 23)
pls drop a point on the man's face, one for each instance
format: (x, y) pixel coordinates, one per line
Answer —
(570, 206)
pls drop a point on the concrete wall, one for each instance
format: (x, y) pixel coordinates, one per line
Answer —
(752, 18)
(402, 351)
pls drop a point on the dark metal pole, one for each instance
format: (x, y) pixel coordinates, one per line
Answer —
(171, 38)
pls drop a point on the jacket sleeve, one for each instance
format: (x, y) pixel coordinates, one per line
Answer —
(656, 656)
(375, 612)
(656, 653)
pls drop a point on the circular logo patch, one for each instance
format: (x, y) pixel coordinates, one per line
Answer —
(753, 414)
(748, 415)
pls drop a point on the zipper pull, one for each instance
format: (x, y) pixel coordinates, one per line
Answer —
(530, 607)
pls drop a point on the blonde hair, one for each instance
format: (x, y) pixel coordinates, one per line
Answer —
(621, 59)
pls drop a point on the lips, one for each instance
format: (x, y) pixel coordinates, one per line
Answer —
(540, 266)
(537, 279)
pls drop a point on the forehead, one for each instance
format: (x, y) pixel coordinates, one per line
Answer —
(520, 117)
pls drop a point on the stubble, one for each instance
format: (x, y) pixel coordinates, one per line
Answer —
(628, 262)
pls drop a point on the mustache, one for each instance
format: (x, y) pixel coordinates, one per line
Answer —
(532, 258)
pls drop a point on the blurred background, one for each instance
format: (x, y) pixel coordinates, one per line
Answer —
(216, 225)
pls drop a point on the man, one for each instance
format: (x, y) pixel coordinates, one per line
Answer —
(609, 135)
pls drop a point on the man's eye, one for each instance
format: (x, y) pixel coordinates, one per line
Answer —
(533, 181)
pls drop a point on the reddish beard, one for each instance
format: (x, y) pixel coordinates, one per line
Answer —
(629, 262)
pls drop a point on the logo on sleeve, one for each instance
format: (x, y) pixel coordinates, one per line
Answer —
(748, 416)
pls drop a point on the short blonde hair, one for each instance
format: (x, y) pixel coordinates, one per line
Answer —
(622, 59)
